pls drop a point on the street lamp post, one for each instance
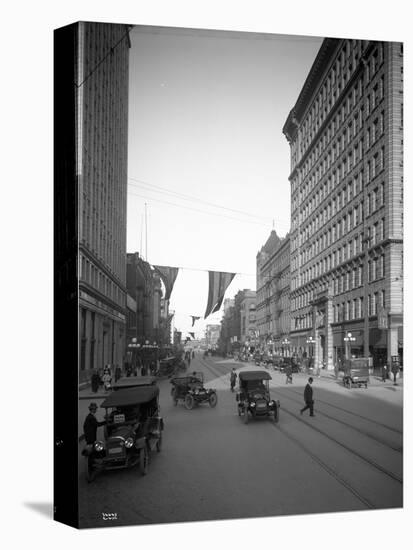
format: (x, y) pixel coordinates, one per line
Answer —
(310, 340)
(286, 342)
(347, 341)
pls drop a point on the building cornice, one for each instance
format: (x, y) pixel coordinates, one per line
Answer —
(326, 51)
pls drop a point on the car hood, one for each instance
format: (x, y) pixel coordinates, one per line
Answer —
(121, 431)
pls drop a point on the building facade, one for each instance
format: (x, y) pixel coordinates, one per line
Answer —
(273, 294)
(212, 336)
(101, 96)
(346, 139)
(145, 289)
(248, 335)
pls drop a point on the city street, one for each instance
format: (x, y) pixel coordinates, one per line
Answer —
(213, 466)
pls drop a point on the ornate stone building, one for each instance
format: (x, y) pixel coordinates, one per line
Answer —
(346, 138)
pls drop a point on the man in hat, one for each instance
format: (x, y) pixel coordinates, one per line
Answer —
(91, 424)
(308, 398)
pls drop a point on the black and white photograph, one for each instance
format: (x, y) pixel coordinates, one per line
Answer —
(225, 300)
(240, 262)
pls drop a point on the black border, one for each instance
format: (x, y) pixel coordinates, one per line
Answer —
(65, 354)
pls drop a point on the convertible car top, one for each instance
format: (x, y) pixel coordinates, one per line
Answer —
(254, 375)
(130, 396)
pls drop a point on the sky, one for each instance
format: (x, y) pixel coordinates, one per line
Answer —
(207, 154)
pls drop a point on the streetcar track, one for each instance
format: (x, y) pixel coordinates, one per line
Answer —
(380, 424)
(397, 448)
(348, 449)
(341, 480)
(365, 459)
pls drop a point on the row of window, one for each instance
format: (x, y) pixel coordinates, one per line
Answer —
(101, 282)
(373, 167)
(335, 81)
(345, 311)
(345, 282)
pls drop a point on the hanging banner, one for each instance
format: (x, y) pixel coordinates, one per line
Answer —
(218, 284)
(194, 318)
(168, 276)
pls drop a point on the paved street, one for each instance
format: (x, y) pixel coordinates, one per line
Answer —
(212, 466)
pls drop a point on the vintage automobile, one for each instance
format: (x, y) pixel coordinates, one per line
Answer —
(134, 381)
(254, 396)
(356, 372)
(191, 390)
(289, 361)
(133, 428)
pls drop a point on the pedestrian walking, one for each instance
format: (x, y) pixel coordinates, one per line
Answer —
(95, 381)
(107, 379)
(395, 370)
(336, 370)
(91, 424)
(289, 374)
(384, 372)
(233, 379)
(193, 354)
(308, 398)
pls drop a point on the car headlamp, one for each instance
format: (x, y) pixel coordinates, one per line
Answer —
(252, 404)
(129, 443)
(271, 403)
(98, 446)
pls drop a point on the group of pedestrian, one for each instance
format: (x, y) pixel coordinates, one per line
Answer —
(104, 378)
(385, 372)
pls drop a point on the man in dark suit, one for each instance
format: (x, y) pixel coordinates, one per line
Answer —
(308, 398)
(90, 426)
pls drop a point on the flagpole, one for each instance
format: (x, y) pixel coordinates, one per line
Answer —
(140, 249)
(146, 233)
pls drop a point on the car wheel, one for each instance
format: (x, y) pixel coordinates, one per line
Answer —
(144, 461)
(159, 444)
(89, 469)
(213, 400)
(246, 415)
(189, 401)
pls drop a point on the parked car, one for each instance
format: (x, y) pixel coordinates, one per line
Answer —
(254, 399)
(356, 372)
(133, 428)
(190, 389)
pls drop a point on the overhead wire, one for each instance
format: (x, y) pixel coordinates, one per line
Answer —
(196, 199)
(198, 210)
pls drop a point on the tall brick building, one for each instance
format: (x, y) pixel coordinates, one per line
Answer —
(101, 58)
(273, 293)
(346, 137)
